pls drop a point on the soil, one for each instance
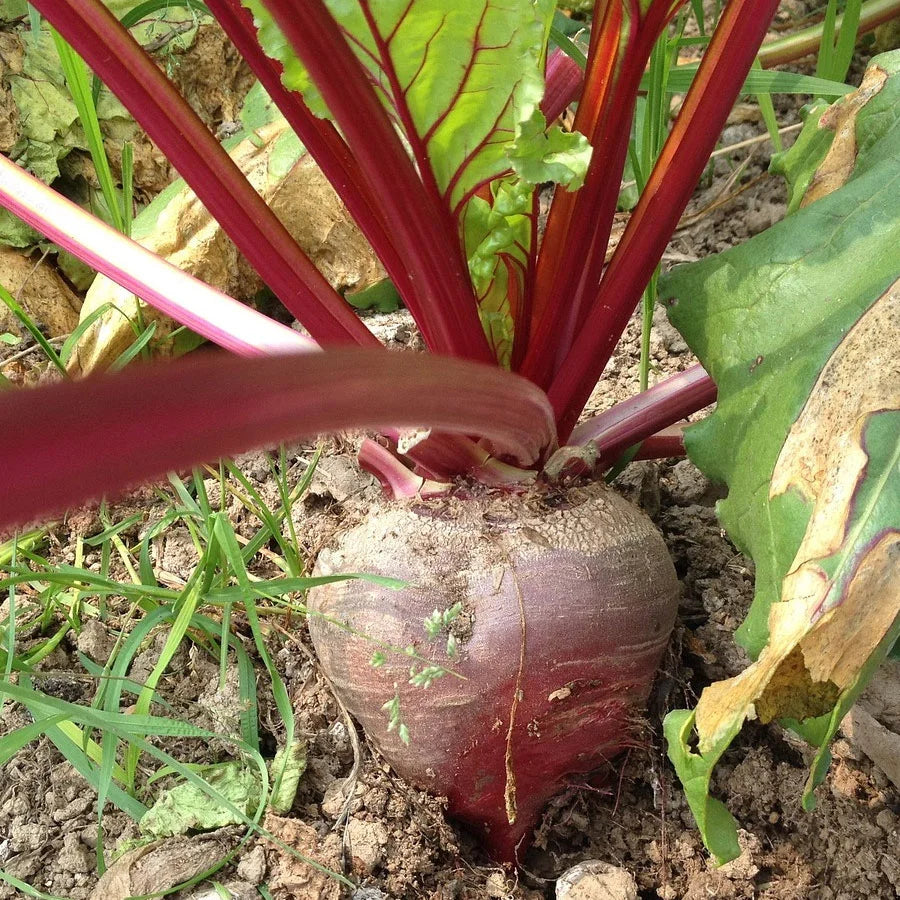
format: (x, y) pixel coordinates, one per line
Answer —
(352, 813)
(397, 840)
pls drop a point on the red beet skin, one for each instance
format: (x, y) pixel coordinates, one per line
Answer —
(571, 605)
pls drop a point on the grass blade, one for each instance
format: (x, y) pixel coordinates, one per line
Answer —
(135, 348)
(80, 89)
(224, 534)
(185, 608)
(762, 81)
(97, 539)
(32, 329)
(84, 324)
(10, 637)
(34, 23)
(127, 187)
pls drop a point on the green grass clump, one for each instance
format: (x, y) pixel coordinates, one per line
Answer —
(113, 741)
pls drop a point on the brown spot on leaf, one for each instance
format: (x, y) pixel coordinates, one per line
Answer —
(843, 638)
(840, 118)
(806, 660)
(823, 457)
(811, 657)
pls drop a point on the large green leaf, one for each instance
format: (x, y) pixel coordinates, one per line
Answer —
(462, 80)
(799, 327)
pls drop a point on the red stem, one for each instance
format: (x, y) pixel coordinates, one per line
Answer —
(395, 478)
(444, 456)
(319, 137)
(138, 424)
(120, 62)
(663, 445)
(644, 414)
(191, 302)
(577, 219)
(706, 107)
(445, 306)
(576, 252)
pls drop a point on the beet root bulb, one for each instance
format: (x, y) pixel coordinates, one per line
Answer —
(566, 609)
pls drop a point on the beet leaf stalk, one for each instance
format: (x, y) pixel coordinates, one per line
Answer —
(580, 223)
(210, 313)
(117, 58)
(320, 138)
(647, 413)
(713, 92)
(444, 308)
(136, 425)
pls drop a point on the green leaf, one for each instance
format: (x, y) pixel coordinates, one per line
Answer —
(186, 806)
(498, 239)
(540, 155)
(799, 162)
(76, 79)
(50, 129)
(462, 79)
(13, 9)
(799, 329)
(713, 819)
(761, 81)
(16, 233)
(290, 763)
(381, 296)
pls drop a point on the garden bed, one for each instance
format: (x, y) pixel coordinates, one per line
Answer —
(351, 813)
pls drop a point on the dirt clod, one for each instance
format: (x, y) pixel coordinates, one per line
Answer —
(293, 879)
(94, 641)
(252, 867)
(41, 292)
(367, 842)
(74, 856)
(596, 880)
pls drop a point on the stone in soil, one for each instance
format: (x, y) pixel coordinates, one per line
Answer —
(596, 880)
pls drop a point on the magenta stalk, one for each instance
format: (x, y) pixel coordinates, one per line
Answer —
(647, 413)
(203, 309)
(118, 60)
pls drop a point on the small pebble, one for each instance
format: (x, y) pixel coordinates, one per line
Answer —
(596, 880)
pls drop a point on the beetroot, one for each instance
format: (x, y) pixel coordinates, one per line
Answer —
(567, 607)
